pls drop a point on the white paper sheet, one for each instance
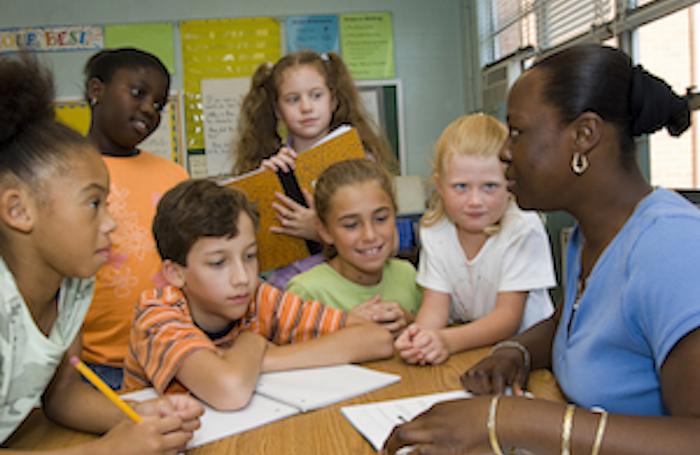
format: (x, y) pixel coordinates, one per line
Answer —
(313, 388)
(221, 106)
(376, 420)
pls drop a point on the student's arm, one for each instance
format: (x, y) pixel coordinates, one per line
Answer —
(76, 404)
(501, 323)
(359, 341)
(434, 312)
(226, 382)
(435, 345)
(536, 425)
(168, 422)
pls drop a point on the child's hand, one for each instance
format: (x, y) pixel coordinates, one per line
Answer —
(284, 160)
(153, 435)
(182, 406)
(432, 347)
(295, 219)
(366, 309)
(405, 347)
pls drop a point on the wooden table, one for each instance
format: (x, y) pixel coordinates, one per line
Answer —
(324, 431)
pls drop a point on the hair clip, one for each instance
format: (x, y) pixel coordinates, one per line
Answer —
(324, 57)
(269, 65)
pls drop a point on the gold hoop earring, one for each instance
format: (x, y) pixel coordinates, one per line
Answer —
(93, 102)
(579, 163)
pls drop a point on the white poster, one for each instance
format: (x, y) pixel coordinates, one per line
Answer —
(221, 105)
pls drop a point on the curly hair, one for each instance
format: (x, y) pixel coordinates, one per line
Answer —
(258, 136)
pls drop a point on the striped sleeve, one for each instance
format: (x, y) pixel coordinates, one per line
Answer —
(285, 318)
(162, 336)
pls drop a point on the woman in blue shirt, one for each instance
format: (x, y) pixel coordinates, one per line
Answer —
(626, 338)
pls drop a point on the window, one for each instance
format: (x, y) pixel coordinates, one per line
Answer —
(507, 25)
(673, 161)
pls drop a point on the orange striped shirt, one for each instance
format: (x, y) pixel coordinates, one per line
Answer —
(163, 333)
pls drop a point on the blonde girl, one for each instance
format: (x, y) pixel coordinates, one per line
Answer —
(309, 95)
(485, 265)
(54, 235)
(356, 208)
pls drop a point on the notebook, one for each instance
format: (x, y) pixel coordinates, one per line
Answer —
(283, 394)
(327, 385)
(260, 185)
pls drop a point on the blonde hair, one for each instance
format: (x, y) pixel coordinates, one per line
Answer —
(344, 173)
(258, 135)
(470, 135)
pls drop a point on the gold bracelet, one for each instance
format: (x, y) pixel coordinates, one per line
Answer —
(491, 426)
(602, 422)
(566, 430)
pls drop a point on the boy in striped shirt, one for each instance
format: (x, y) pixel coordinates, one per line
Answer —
(214, 327)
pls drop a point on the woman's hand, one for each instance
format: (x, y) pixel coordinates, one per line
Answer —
(456, 426)
(295, 219)
(284, 160)
(505, 367)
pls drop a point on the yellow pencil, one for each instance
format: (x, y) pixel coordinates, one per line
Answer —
(104, 388)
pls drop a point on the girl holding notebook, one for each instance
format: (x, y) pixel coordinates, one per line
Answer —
(310, 94)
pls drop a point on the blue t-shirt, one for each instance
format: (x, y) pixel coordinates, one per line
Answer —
(641, 298)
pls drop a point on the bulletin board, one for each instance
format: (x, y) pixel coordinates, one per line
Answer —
(222, 48)
(218, 59)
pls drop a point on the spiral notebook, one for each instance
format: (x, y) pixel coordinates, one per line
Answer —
(283, 394)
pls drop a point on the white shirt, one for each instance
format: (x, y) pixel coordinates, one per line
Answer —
(28, 359)
(516, 258)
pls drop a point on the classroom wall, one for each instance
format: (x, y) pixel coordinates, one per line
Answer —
(428, 36)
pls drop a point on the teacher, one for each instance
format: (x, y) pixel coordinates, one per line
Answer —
(626, 340)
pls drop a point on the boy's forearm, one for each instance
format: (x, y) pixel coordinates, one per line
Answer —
(352, 344)
(247, 352)
(225, 381)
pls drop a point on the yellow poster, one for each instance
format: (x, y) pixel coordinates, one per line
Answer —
(75, 114)
(222, 48)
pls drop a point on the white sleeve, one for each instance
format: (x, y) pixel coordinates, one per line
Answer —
(527, 260)
(432, 272)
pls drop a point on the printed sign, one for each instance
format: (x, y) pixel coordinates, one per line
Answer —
(51, 39)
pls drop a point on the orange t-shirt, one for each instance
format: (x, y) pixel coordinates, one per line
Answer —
(137, 183)
(163, 334)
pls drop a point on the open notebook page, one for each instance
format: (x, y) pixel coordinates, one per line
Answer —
(312, 388)
(217, 425)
